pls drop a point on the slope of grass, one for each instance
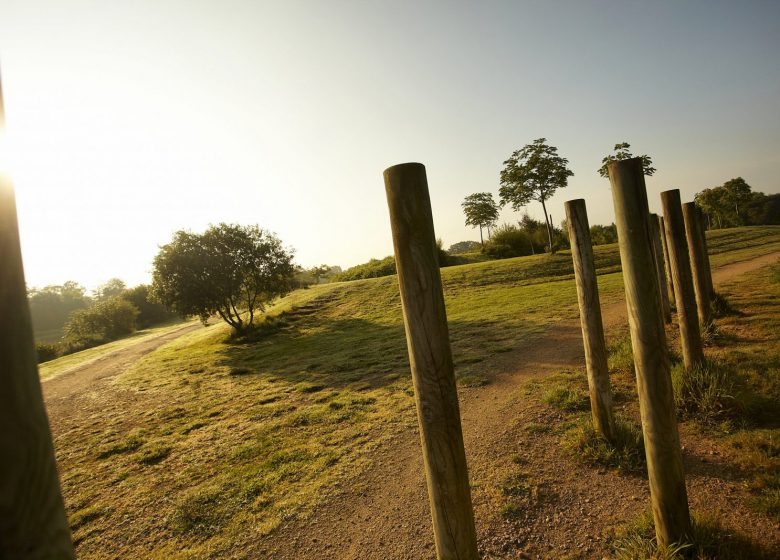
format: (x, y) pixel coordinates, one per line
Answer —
(78, 359)
(223, 440)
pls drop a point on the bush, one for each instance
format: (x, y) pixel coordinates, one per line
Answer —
(47, 352)
(150, 312)
(107, 320)
(372, 269)
(509, 241)
(464, 247)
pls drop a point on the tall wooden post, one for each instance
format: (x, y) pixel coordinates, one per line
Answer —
(651, 355)
(667, 264)
(590, 319)
(706, 253)
(698, 267)
(658, 255)
(32, 515)
(427, 339)
(687, 318)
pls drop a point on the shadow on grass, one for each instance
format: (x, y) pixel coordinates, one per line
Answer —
(340, 352)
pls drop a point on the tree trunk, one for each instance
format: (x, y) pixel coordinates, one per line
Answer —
(480, 236)
(547, 223)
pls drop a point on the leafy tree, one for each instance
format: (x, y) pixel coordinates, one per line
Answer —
(534, 172)
(737, 193)
(602, 235)
(112, 288)
(228, 270)
(318, 272)
(621, 153)
(51, 306)
(726, 205)
(150, 312)
(463, 247)
(107, 320)
(481, 211)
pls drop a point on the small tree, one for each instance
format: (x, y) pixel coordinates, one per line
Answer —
(534, 172)
(621, 153)
(481, 211)
(318, 272)
(228, 270)
(112, 288)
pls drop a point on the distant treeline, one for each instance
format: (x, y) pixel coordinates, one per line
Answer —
(66, 320)
(734, 204)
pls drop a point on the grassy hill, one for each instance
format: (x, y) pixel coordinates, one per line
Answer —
(223, 440)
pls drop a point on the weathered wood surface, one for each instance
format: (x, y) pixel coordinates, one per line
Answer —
(706, 253)
(658, 255)
(701, 286)
(685, 298)
(430, 356)
(667, 264)
(590, 318)
(668, 494)
(32, 516)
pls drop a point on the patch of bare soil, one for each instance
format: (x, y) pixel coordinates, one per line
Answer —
(84, 391)
(385, 515)
(571, 509)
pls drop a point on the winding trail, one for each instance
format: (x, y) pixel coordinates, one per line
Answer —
(384, 515)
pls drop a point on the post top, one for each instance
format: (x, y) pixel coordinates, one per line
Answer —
(404, 167)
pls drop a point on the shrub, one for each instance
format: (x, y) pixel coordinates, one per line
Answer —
(47, 351)
(464, 247)
(509, 241)
(105, 321)
(372, 269)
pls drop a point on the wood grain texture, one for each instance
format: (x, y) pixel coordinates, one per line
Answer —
(668, 494)
(687, 313)
(590, 318)
(660, 269)
(427, 338)
(667, 264)
(706, 253)
(32, 516)
(701, 286)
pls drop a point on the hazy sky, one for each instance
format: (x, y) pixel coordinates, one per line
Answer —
(130, 120)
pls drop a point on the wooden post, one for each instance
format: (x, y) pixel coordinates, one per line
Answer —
(658, 255)
(667, 264)
(651, 356)
(706, 254)
(428, 342)
(590, 319)
(698, 267)
(690, 335)
(32, 515)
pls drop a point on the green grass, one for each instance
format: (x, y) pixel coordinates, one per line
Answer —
(225, 433)
(626, 453)
(710, 541)
(85, 357)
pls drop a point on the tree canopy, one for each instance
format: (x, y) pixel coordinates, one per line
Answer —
(732, 204)
(534, 172)
(621, 153)
(481, 211)
(230, 270)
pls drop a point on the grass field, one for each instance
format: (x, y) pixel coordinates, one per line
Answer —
(226, 439)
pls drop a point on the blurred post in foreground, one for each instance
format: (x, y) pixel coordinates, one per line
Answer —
(32, 515)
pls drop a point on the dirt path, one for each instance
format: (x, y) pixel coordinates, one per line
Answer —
(79, 386)
(385, 515)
